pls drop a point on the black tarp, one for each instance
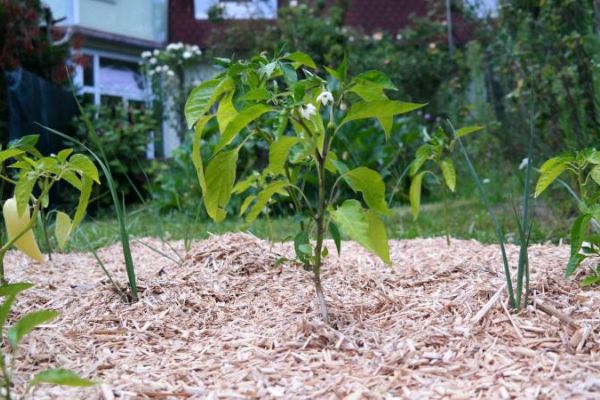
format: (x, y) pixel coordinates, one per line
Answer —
(31, 100)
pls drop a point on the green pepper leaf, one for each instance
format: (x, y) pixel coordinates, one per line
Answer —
(277, 187)
(467, 130)
(449, 173)
(370, 184)
(62, 228)
(61, 377)
(85, 166)
(204, 96)
(414, 194)
(336, 236)
(278, 153)
(302, 247)
(551, 170)
(578, 233)
(300, 59)
(241, 120)
(196, 151)
(219, 181)
(226, 111)
(23, 190)
(27, 323)
(379, 109)
(363, 226)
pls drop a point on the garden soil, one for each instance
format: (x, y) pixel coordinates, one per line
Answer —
(236, 320)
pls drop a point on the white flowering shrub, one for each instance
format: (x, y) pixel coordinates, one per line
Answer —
(165, 73)
(170, 62)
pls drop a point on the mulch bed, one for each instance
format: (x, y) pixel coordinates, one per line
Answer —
(233, 322)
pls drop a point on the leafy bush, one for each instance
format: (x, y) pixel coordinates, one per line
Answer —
(124, 134)
(554, 44)
(303, 150)
(584, 167)
(315, 29)
(417, 60)
(174, 186)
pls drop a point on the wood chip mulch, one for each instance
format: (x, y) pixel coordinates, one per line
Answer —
(234, 320)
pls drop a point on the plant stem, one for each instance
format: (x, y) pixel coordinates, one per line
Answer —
(523, 266)
(5, 376)
(320, 221)
(446, 221)
(44, 220)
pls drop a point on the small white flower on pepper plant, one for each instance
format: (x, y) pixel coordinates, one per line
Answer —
(524, 163)
(325, 98)
(146, 54)
(153, 61)
(307, 111)
(187, 54)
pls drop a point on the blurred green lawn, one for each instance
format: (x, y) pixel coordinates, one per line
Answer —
(468, 220)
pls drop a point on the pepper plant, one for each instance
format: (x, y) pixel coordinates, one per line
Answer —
(36, 175)
(304, 168)
(584, 167)
(436, 152)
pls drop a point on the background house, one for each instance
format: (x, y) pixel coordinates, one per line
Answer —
(189, 20)
(113, 33)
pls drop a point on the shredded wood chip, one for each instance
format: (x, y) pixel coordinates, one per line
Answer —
(232, 321)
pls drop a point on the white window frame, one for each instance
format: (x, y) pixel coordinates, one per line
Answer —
(252, 9)
(95, 90)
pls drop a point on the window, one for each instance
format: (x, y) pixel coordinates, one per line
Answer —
(238, 9)
(107, 78)
(105, 75)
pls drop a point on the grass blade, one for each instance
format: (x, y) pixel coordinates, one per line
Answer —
(486, 203)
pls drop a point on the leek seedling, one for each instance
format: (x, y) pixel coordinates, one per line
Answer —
(524, 226)
(102, 161)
